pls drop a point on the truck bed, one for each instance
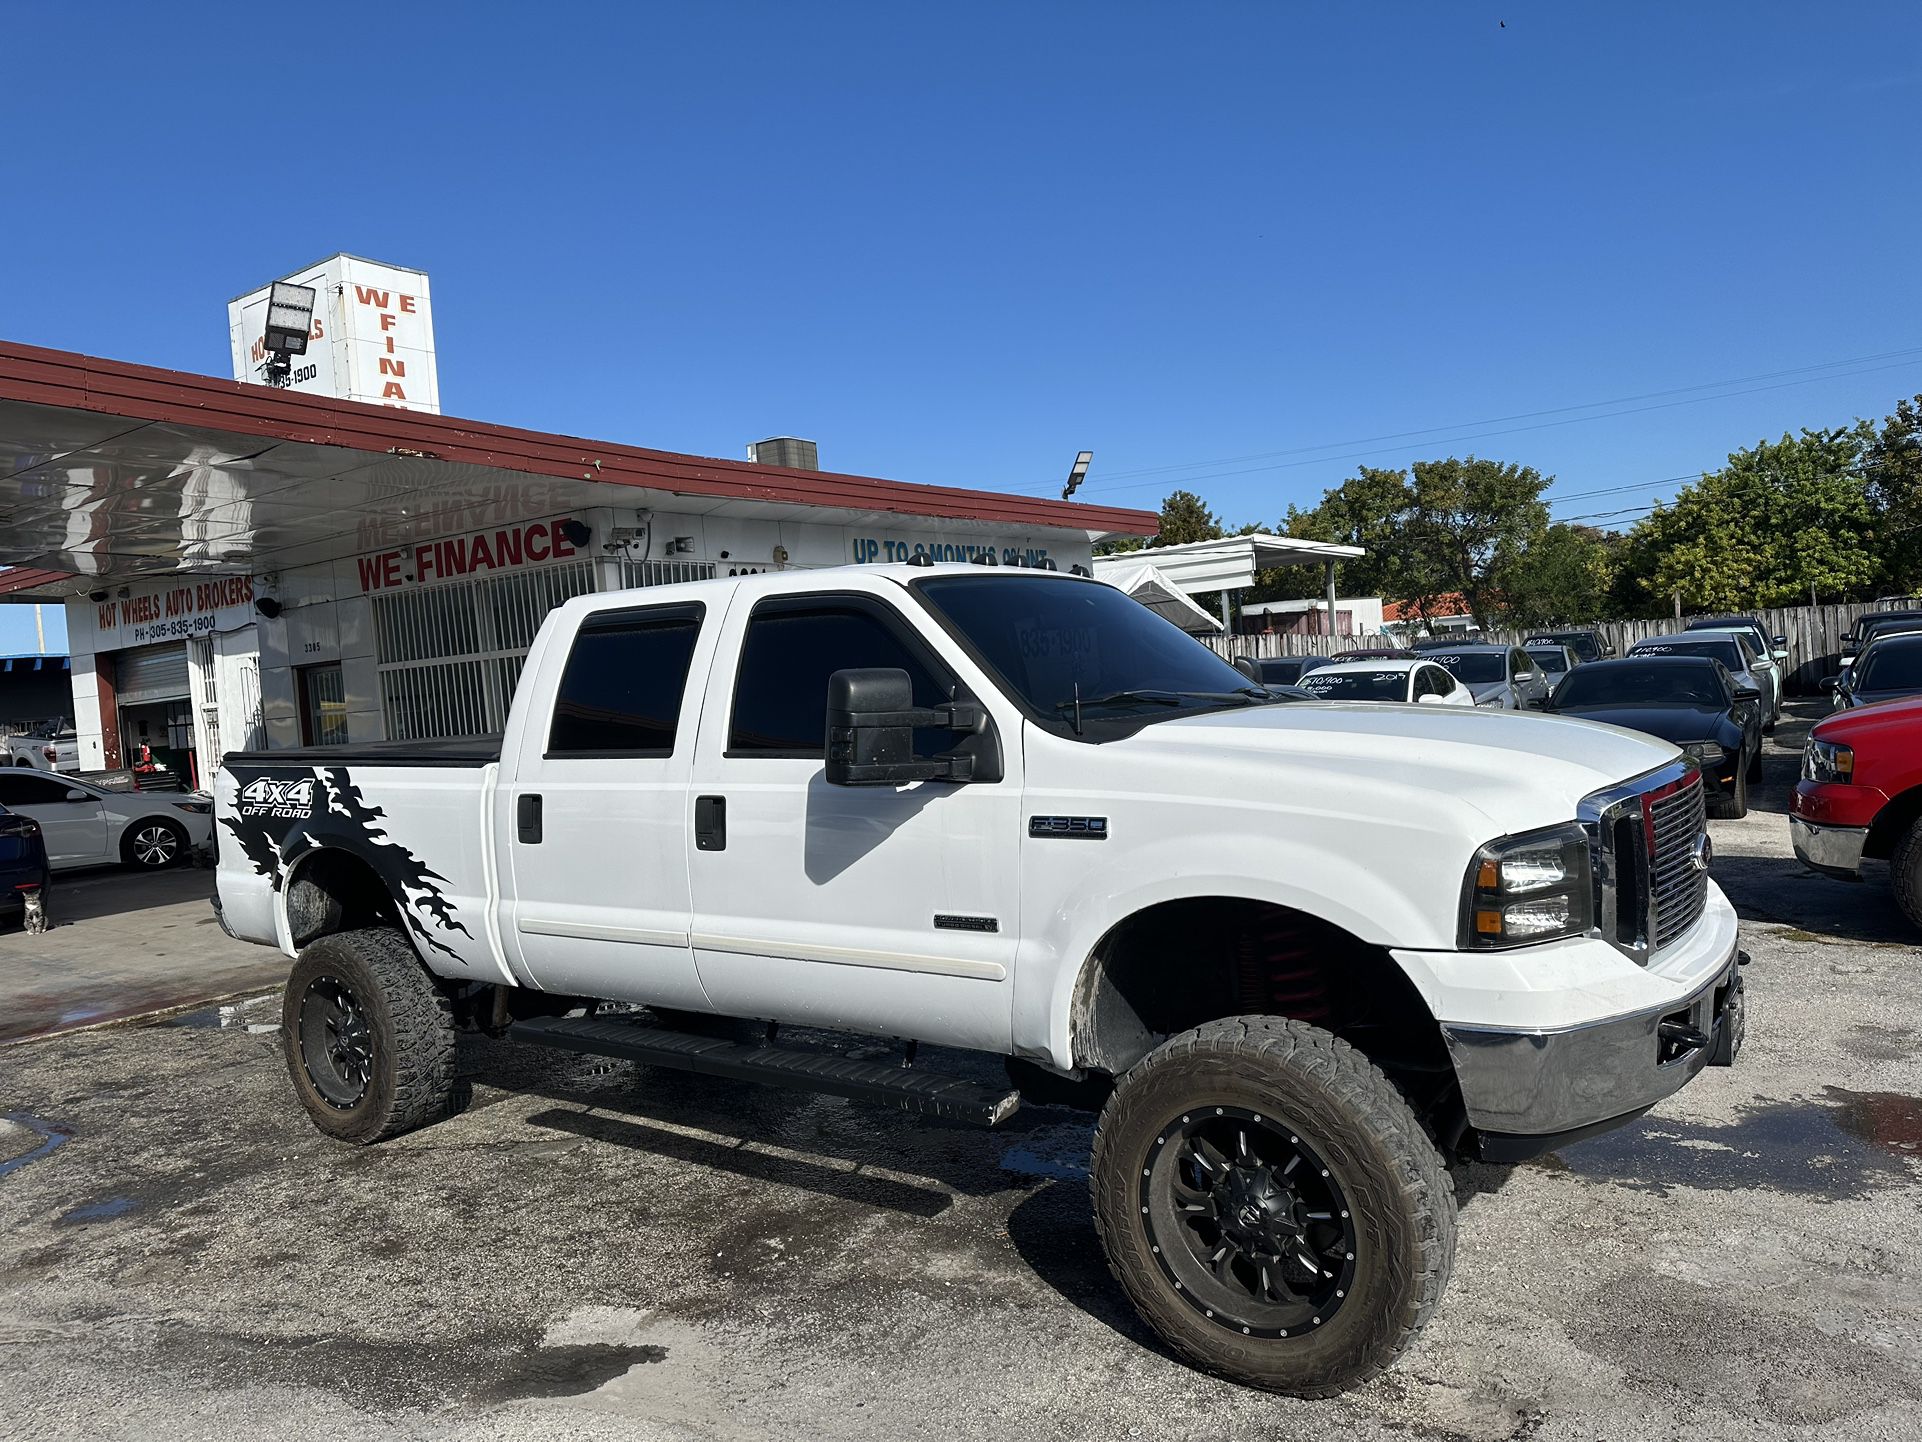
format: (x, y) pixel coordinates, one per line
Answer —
(473, 752)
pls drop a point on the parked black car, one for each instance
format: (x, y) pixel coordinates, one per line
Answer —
(1871, 624)
(1889, 668)
(23, 862)
(1446, 643)
(1278, 670)
(1690, 701)
(1587, 645)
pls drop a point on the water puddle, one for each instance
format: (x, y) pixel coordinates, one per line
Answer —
(1844, 1144)
(1055, 1153)
(53, 1135)
(228, 1016)
(97, 1211)
(567, 1371)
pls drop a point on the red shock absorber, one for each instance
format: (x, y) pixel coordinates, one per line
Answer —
(1275, 963)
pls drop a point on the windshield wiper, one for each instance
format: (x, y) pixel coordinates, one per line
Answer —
(1124, 698)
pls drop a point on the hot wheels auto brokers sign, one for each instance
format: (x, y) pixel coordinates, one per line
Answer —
(192, 608)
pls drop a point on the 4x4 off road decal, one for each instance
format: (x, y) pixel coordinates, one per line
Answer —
(277, 817)
(293, 800)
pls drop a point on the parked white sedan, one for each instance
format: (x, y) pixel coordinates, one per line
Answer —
(86, 825)
(1419, 681)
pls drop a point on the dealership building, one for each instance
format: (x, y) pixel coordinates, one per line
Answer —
(247, 566)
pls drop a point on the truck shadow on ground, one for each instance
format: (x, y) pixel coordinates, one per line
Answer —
(1818, 908)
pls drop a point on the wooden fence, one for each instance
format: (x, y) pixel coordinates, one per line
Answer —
(1814, 637)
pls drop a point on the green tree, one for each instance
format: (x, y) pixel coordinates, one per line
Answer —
(1470, 522)
(1781, 521)
(1184, 518)
(1892, 467)
(1565, 575)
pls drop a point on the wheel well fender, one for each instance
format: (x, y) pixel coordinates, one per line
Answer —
(1174, 965)
(332, 889)
(1892, 823)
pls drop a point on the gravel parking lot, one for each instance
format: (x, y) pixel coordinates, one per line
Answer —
(596, 1250)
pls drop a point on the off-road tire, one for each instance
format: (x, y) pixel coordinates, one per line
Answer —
(410, 1020)
(1733, 806)
(1905, 873)
(1307, 1080)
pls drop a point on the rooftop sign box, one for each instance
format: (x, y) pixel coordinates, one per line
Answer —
(372, 338)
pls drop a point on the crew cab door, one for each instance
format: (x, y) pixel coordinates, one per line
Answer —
(591, 825)
(888, 909)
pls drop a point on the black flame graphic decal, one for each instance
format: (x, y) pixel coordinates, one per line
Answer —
(412, 882)
(256, 845)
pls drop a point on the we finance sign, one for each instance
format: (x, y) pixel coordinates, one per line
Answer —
(484, 553)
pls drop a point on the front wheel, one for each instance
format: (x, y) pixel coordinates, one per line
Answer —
(1905, 873)
(153, 845)
(1271, 1205)
(1732, 805)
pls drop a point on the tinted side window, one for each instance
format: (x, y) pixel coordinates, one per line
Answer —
(19, 789)
(781, 692)
(621, 690)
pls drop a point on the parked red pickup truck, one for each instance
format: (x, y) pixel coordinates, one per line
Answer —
(1861, 796)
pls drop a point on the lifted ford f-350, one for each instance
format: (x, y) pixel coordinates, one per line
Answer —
(1307, 953)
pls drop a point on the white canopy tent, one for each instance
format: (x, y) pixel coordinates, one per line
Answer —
(1147, 585)
(1229, 565)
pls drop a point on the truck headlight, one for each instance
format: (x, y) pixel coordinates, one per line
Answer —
(1825, 761)
(1529, 888)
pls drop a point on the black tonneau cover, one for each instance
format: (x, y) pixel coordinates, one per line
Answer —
(475, 751)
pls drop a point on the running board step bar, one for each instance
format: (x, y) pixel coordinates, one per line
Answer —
(907, 1088)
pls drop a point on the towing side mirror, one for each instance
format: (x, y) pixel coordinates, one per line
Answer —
(871, 723)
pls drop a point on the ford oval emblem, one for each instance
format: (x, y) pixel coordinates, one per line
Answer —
(1701, 853)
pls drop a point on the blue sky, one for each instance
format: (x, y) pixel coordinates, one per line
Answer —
(1228, 246)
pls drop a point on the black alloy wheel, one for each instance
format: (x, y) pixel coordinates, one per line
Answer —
(336, 1042)
(1248, 1222)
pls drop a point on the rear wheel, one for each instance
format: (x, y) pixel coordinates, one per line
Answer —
(1271, 1205)
(369, 1037)
(153, 844)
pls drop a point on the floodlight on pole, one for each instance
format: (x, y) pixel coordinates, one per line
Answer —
(290, 320)
(1078, 473)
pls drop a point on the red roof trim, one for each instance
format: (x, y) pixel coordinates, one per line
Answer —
(25, 578)
(146, 393)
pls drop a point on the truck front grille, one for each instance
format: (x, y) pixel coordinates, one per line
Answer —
(1646, 840)
(1678, 878)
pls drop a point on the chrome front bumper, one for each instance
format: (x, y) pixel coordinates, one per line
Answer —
(1831, 850)
(1527, 1090)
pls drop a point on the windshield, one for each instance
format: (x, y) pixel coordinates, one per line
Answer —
(1622, 683)
(1476, 668)
(1051, 641)
(1283, 671)
(1552, 659)
(1357, 685)
(1580, 642)
(1891, 620)
(1892, 666)
(1727, 652)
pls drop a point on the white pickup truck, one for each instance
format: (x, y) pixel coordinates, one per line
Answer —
(53, 747)
(1306, 953)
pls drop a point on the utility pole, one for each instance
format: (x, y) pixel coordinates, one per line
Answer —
(1678, 603)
